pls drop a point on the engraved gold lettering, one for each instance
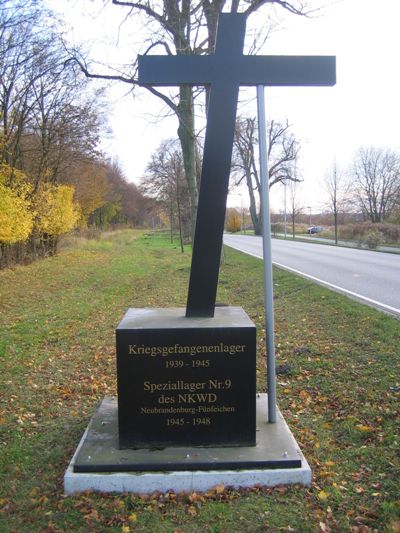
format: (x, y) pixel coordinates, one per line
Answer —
(176, 349)
(179, 385)
(209, 397)
(166, 399)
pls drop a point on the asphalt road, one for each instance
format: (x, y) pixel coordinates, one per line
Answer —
(371, 277)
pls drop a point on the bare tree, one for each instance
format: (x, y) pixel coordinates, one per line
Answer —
(283, 150)
(295, 208)
(166, 181)
(338, 190)
(63, 126)
(48, 119)
(185, 28)
(376, 174)
(19, 37)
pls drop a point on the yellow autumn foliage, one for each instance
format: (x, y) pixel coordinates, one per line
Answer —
(233, 222)
(16, 215)
(91, 190)
(56, 212)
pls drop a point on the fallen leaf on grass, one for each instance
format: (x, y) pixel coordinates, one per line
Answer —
(219, 489)
(324, 527)
(192, 511)
(326, 473)
(394, 527)
(34, 492)
(119, 504)
(93, 515)
(195, 497)
(362, 427)
(132, 517)
(323, 496)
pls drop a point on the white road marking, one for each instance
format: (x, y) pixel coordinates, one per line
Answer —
(389, 308)
(341, 289)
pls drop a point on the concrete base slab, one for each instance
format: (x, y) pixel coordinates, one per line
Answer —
(99, 465)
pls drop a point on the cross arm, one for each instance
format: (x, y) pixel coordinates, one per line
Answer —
(288, 70)
(245, 70)
(175, 70)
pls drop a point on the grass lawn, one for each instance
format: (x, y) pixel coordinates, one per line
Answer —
(338, 387)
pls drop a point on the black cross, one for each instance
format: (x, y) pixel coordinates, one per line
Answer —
(224, 72)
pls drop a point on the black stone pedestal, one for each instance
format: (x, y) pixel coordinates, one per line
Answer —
(186, 381)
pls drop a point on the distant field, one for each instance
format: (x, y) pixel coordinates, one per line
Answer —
(338, 387)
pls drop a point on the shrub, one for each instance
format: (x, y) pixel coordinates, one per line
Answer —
(16, 215)
(388, 233)
(56, 211)
(373, 239)
(277, 228)
(233, 221)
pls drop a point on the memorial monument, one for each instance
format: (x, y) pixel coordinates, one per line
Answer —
(186, 378)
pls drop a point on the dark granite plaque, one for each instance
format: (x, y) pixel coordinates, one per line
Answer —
(186, 381)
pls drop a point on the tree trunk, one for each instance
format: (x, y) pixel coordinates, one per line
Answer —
(180, 224)
(335, 218)
(187, 139)
(257, 225)
(171, 222)
(255, 217)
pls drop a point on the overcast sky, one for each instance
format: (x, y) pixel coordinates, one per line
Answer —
(331, 123)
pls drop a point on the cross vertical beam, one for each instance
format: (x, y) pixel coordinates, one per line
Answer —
(215, 173)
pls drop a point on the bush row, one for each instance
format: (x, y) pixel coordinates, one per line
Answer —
(388, 233)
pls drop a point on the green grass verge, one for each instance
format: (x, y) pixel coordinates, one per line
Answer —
(338, 387)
